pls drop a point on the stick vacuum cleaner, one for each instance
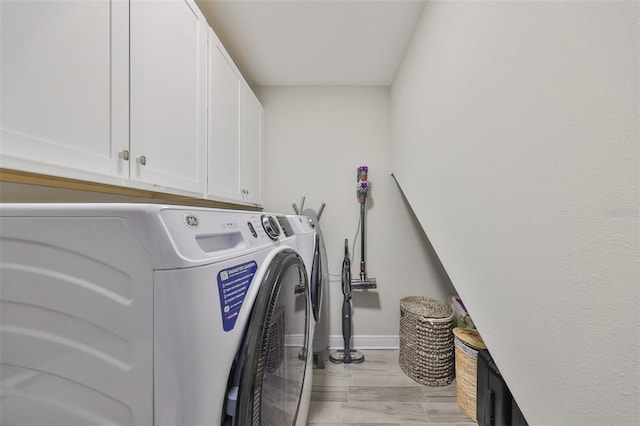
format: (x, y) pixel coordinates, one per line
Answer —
(363, 187)
(346, 355)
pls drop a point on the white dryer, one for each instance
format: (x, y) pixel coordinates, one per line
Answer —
(311, 247)
(138, 314)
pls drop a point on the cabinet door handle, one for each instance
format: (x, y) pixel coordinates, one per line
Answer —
(124, 155)
(142, 160)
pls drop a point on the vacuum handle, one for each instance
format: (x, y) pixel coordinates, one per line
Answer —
(363, 183)
(346, 271)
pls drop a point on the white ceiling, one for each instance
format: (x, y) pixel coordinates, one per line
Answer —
(314, 42)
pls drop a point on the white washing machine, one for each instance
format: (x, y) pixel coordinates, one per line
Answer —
(138, 314)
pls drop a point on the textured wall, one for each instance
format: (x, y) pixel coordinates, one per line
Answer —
(515, 135)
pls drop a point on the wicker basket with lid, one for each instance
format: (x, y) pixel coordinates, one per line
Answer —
(467, 344)
(426, 340)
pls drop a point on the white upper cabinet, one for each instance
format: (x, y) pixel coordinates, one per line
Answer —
(235, 132)
(64, 78)
(224, 124)
(168, 94)
(139, 93)
(251, 118)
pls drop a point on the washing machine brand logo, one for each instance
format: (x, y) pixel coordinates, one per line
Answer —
(191, 221)
(233, 284)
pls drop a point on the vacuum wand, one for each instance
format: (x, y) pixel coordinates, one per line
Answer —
(363, 264)
(363, 187)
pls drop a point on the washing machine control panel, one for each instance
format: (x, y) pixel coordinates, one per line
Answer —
(287, 230)
(270, 226)
(252, 229)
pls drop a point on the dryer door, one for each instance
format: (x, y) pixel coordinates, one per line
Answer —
(316, 281)
(274, 355)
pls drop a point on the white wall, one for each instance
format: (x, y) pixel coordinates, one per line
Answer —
(315, 139)
(515, 131)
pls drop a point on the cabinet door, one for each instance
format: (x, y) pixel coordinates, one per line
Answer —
(251, 146)
(224, 124)
(168, 94)
(64, 78)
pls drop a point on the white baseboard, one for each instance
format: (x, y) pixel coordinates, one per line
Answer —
(372, 341)
(357, 342)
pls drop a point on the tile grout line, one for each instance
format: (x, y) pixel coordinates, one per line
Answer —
(426, 411)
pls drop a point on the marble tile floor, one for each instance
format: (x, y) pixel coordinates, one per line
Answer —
(377, 392)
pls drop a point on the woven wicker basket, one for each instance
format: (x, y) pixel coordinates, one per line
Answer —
(426, 341)
(467, 343)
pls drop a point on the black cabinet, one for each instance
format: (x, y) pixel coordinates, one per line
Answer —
(495, 404)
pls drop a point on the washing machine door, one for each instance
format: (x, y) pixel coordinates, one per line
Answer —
(274, 354)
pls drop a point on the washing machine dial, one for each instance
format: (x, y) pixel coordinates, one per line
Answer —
(270, 225)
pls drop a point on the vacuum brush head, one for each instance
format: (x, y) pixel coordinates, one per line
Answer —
(364, 284)
(341, 357)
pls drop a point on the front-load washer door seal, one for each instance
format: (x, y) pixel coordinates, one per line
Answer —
(273, 360)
